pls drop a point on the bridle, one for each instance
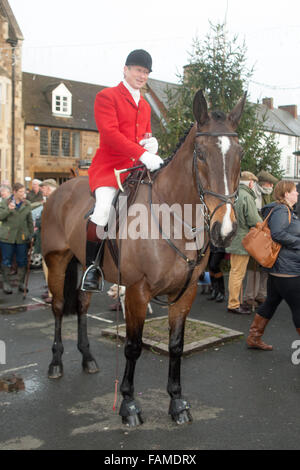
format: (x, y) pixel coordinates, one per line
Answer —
(225, 198)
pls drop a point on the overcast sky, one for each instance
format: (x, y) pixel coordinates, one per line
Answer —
(89, 40)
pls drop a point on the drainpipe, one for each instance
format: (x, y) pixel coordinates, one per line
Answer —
(13, 43)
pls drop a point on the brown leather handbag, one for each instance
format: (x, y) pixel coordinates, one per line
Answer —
(259, 244)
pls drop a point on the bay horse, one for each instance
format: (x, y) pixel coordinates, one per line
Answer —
(205, 169)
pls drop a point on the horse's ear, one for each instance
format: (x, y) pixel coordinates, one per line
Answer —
(236, 114)
(200, 108)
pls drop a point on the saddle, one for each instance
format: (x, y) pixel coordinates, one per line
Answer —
(131, 187)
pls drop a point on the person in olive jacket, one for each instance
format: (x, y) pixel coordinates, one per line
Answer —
(247, 217)
(16, 230)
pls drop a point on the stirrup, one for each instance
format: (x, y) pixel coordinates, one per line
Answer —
(101, 289)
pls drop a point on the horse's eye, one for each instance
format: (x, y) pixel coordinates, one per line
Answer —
(200, 154)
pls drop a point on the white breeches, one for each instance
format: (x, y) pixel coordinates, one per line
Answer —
(104, 198)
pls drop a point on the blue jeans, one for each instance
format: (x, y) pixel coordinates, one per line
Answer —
(9, 249)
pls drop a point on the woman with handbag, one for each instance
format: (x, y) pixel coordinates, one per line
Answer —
(284, 276)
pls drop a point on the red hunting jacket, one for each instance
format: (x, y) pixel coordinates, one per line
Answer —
(121, 124)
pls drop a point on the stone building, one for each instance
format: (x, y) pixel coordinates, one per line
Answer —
(60, 129)
(11, 121)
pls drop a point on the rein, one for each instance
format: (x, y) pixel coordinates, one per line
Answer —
(225, 198)
(192, 263)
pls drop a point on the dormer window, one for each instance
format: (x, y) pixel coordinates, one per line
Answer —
(61, 101)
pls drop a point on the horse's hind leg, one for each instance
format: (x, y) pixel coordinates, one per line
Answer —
(136, 301)
(179, 407)
(88, 362)
(57, 264)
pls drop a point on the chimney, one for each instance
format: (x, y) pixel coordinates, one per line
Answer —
(268, 102)
(291, 108)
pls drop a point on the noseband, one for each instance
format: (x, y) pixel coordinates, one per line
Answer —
(226, 199)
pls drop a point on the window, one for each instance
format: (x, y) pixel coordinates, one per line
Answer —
(44, 149)
(55, 143)
(62, 101)
(63, 143)
(76, 144)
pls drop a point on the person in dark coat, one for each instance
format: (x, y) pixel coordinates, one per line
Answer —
(216, 274)
(284, 276)
(35, 196)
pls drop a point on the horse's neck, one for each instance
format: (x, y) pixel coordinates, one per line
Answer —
(175, 183)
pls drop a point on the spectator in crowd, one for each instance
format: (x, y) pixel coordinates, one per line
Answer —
(5, 191)
(256, 284)
(16, 230)
(48, 186)
(35, 196)
(297, 205)
(247, 217)
(284, 276)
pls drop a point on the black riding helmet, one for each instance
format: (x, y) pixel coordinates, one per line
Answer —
(140, 57)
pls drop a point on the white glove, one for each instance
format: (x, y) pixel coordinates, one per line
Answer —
(151, 144)
(151, 161)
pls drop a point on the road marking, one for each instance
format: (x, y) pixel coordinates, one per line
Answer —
(99, 319)
(18, 368)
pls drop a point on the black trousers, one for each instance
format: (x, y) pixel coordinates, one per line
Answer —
(278, 289)
(215, 261)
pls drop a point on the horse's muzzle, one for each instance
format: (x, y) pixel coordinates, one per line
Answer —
(216, 237)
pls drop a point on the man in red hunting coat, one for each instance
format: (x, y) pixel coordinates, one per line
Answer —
(123, 119)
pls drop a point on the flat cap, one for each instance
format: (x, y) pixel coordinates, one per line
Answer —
(248, 176)
(50, 182)
(266, 176)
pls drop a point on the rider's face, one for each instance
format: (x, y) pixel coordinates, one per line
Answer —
(136, 76)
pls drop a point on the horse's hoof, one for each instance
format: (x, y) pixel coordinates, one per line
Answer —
(55, 371)
(132, 421)
(180, 411)
(90, 367)
(131, 413)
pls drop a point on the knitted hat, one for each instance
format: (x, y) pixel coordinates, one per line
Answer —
(248, 176)
(140, 57)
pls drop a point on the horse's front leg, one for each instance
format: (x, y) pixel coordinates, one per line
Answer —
(179, 407)
(89, 364)
(136, 301)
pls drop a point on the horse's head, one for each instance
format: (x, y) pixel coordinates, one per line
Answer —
(217, 158)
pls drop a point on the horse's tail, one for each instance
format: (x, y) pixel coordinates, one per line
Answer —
(70, 288)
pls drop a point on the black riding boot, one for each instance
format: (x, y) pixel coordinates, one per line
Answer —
(93, 273)
(214, 285)
(221, 290)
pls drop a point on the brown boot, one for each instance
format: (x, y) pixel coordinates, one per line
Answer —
(256, 331)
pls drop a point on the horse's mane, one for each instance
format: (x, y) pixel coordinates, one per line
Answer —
(179, 144)
(216, 115)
